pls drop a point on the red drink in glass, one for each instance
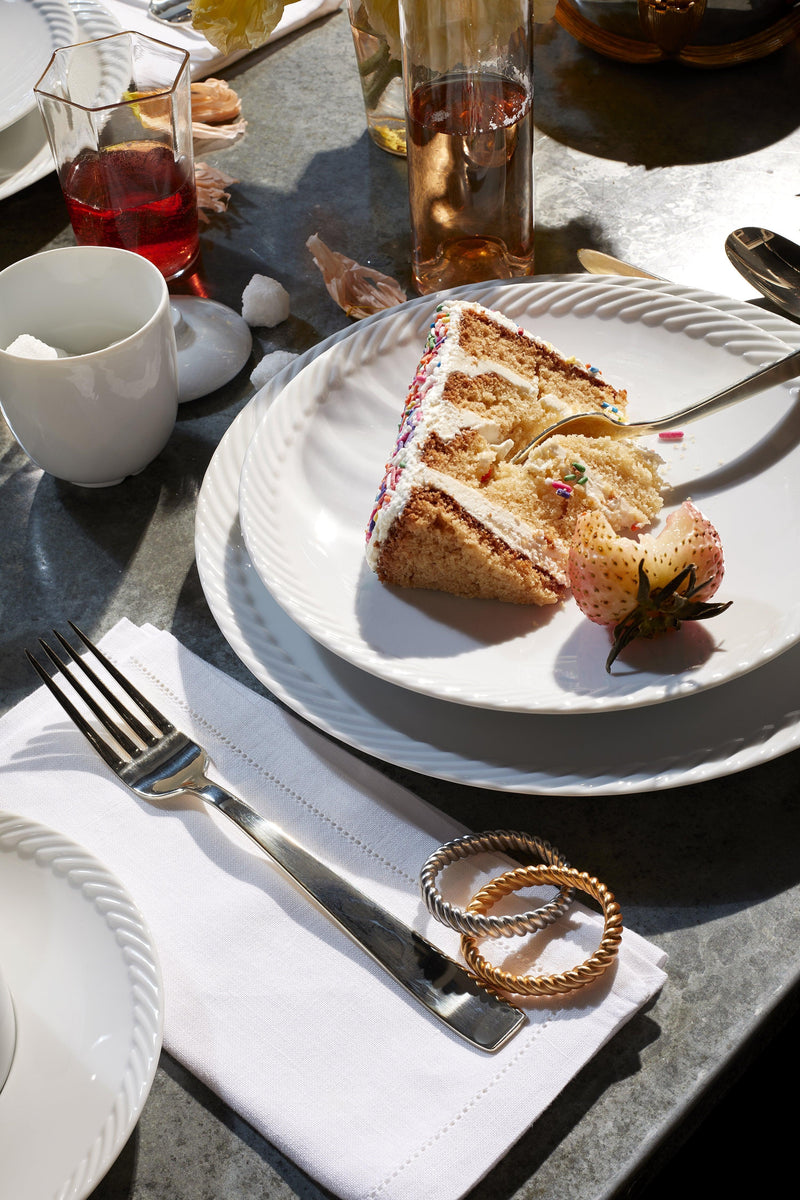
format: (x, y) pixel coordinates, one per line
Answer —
(137, 197)
(118, 115)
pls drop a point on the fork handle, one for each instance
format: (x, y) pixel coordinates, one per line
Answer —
(599, 425)
(443, 986)
(777, 372)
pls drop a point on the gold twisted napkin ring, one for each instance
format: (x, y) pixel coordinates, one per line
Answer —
(545, 985)
(478, 924)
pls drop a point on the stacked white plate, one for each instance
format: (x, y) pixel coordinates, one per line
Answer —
(494, 695)
(32, 30)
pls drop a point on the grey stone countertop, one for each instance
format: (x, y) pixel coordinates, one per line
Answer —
(655, 164)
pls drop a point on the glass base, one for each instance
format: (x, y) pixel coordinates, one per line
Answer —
(388, 134)
(469, 260)
(186, 267)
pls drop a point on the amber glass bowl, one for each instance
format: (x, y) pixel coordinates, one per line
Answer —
(701, 33)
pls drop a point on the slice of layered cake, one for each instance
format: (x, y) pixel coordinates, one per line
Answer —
(453, 513)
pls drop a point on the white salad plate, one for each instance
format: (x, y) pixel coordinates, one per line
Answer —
(750, 720)
(25, 155)
(31, 31)
(312, 469)
(87, 995)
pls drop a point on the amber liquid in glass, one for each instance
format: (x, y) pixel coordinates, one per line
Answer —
(470, 181)
(135, 196)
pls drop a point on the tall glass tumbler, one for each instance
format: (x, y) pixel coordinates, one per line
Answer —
(468, 79)
(376, 37)
(119, 121)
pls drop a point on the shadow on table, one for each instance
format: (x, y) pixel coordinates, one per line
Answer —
(119, 1182)
(665, 114)
(85, 554)
(230, 1137)
(684, 857)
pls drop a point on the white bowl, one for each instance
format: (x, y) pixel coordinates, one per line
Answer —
(108, 409)
(8, 1031)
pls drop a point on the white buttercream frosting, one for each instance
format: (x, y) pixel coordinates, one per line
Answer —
(444, 418)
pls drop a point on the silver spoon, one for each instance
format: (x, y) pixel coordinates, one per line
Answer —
(171, 12)
(600, 425)
(770, 263)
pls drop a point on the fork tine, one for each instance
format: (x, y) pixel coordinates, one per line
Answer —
(119, 735)
(131, 720)
(150, 710)
(101, 746)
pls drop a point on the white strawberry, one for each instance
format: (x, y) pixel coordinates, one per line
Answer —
(644, 588)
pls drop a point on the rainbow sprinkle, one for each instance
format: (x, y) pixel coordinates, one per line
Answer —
(672, 435)
(578, 474)
(561, 489)
(411, 414)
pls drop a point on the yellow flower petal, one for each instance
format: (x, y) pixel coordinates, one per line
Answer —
(233, 25)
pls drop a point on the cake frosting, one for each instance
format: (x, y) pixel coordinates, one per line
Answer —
(453, 512)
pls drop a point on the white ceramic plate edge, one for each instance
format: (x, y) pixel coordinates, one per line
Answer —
(93, 21)
(59, 29)
(65, 864)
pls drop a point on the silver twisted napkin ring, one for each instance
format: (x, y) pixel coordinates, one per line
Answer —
(481, 924)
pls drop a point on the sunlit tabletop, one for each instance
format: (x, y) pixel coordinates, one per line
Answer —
(655, 164)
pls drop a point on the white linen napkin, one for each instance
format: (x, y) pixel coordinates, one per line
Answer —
(266, 1001)
(204, 58)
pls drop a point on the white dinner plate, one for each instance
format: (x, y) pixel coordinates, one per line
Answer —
(31, 30)
(25, 155)
(743, 723)
(311, 472)
(86, 990)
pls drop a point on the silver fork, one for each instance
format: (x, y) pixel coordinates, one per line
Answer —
(171, 12)
(596, 424)
(157, 761)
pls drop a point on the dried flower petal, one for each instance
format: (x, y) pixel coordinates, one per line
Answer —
(214, 101)
(212, 111)
(216, 116)
(206, 138)
(359, 291)
(211, 185)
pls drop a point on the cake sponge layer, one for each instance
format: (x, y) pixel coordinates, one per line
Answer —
(453, 512)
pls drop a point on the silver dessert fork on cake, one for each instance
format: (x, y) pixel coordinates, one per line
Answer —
(597, 424)
(157, 761)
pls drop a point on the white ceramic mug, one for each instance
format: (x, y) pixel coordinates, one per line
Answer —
(8, 1036)
(108, 409)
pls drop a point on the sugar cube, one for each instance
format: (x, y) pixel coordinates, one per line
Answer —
(265, 302)
(28, 346)
(269, 366)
